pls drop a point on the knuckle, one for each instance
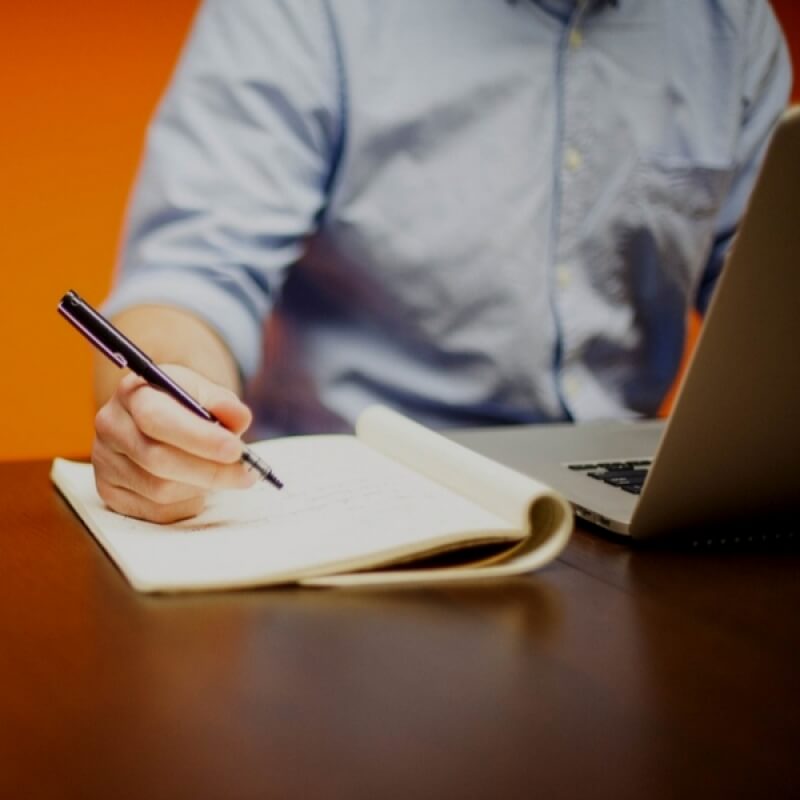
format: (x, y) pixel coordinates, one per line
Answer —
(103, 465)
(164, 515)
(159, 490)
(103, 424)
(144, 508)
(149, 455)
(113, 497)
(128, 384)
(193, 507)
(147, 508)
(98, 457)
(142, 409)
(104, 490)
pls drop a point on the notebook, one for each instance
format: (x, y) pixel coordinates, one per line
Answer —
(729, 451)
(394, 504)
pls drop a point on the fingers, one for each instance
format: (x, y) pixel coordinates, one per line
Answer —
(232, 413)
(122, 433)
(156, 460)
(224, 404)
(124, 501)
(162, 419)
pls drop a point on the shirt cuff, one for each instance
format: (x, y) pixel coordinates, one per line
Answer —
(233, 318)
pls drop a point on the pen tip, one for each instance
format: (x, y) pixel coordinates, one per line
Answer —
(275, 480)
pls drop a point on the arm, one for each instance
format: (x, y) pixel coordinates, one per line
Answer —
(169, 336)
(235, 176)
(236, 169)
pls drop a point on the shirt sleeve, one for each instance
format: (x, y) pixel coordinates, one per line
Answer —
(766, 84)
(236, 168)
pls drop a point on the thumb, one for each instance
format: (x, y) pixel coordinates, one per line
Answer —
(219, 400)
(230, 410)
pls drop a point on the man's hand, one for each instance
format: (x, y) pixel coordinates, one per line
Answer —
(156, 460)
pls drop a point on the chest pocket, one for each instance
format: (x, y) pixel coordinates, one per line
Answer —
(675, 206)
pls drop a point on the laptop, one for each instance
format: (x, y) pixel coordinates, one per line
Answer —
(730, 450)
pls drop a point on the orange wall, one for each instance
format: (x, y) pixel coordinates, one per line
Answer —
(78, 81)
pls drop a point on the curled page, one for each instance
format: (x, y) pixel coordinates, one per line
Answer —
(525, 503)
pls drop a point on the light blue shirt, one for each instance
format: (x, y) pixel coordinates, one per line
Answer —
(475, 211)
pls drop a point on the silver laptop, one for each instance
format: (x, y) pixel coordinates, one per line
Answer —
(730, 450)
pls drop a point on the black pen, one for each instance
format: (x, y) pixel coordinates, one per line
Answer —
(124, 353)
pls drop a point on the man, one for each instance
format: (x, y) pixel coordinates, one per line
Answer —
(476, 211)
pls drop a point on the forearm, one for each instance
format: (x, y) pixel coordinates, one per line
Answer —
(169, 336)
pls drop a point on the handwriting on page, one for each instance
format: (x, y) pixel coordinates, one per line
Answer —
(341, 499)
(343, 484)
(345, 506)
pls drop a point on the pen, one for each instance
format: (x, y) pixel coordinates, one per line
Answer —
(124, 353)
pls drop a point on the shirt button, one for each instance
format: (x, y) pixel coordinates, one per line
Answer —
(575, 38)
(572, 385)
(563, 276)
(573, 159)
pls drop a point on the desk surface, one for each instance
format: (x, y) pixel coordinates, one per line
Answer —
(612, 673)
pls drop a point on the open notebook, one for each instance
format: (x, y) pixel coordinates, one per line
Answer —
(373, 508)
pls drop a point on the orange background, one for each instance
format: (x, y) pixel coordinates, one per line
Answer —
(78, 82)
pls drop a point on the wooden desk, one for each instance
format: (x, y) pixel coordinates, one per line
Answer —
(613, 673)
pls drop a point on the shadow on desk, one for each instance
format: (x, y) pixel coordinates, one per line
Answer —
(616, 671)
(764, 533)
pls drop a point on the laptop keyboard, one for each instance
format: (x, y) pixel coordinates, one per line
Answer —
(626, 475)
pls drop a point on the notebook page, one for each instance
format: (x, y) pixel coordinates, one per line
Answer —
(495, 487)
(344, 507)
(544, 515)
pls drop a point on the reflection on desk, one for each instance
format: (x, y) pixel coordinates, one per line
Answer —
(612, 673)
